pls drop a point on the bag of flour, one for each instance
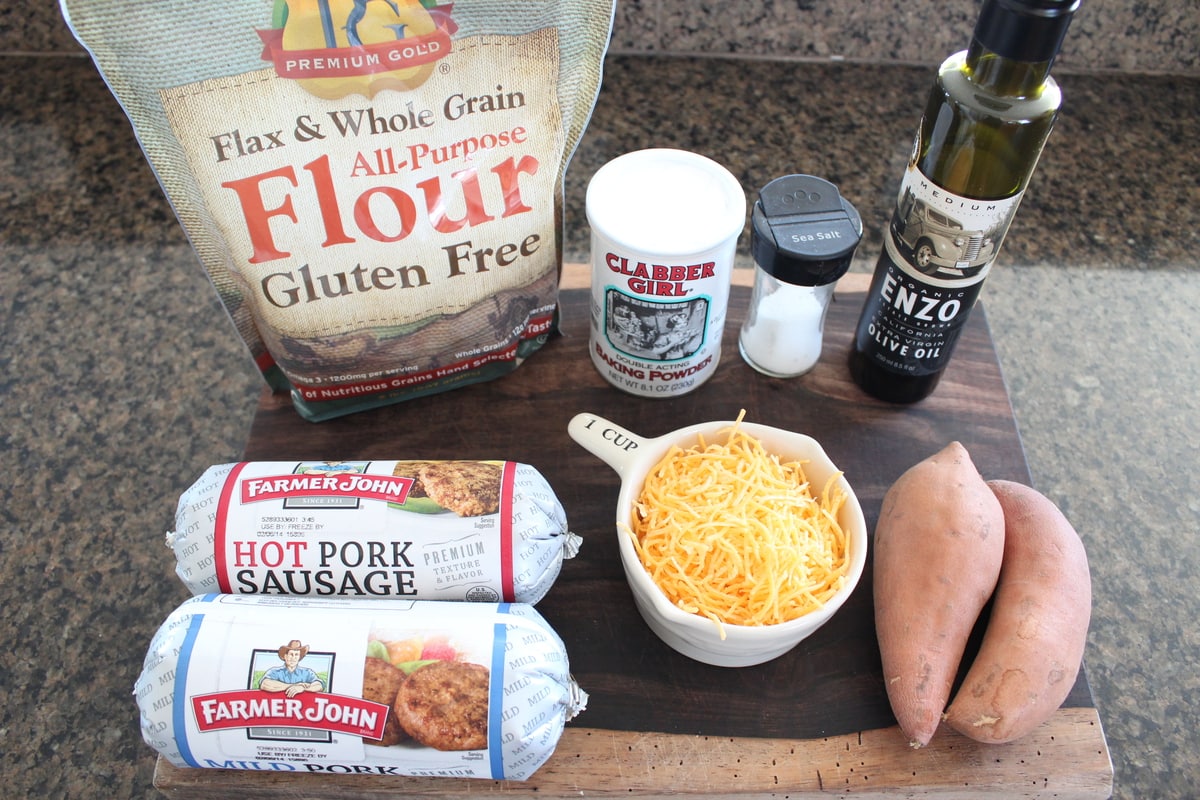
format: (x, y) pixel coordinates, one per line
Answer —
(374, 187)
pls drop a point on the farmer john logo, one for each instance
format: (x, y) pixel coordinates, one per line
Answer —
(335, 48)
(326, 484)
(288, 698)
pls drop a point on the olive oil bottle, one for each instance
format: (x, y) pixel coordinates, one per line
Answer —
(983, 129)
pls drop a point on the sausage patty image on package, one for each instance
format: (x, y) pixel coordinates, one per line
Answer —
(484, 531)
(324, 686)
(374, 187)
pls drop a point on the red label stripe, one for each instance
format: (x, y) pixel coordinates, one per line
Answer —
(507, 480)
(220, 532)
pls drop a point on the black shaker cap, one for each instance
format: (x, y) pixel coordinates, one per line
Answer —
(802, 231)
(1031, 31)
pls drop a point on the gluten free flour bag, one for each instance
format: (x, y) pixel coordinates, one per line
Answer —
(374, 187)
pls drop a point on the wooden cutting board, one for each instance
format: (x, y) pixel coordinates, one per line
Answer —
(812, 723)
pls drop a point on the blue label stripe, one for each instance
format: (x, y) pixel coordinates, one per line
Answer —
(327, 23)
(496, 700)
(179, 703)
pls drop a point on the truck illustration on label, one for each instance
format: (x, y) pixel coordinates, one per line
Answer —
(937, 244)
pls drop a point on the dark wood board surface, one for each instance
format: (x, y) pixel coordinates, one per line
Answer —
(635, 681)
(830, 687)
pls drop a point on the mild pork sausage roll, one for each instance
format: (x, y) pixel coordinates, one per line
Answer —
(490, 531)
(324, 686)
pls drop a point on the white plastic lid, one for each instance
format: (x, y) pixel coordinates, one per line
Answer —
(666, 202)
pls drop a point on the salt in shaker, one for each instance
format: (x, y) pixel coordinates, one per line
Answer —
(803, 236)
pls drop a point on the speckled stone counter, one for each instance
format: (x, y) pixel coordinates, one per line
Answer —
(1106, 35)
(122, 379)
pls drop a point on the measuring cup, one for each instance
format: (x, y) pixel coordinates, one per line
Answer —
(698, 637)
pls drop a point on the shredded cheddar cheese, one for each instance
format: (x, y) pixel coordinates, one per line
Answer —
(731, 533)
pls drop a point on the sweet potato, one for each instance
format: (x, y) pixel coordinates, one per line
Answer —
(1033, 645)
(938, 547)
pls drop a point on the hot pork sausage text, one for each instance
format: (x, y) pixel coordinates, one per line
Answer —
(486, 531)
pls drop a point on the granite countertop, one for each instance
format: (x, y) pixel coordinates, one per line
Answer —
(123, 379)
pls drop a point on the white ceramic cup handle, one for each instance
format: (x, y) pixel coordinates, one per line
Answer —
(606, 440)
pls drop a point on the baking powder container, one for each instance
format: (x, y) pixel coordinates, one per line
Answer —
(803, 234)
(665, 225)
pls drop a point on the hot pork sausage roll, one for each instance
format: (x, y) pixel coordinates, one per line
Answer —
(434, 530)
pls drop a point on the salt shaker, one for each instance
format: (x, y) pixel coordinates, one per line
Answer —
(803, 234)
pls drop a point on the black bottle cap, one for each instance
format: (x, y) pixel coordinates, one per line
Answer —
(1031, 31)
(802, 231)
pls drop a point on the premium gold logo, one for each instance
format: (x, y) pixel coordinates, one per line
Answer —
(335, 48)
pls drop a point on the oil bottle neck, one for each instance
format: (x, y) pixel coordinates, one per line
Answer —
(1016, 42)
(1003, 76)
